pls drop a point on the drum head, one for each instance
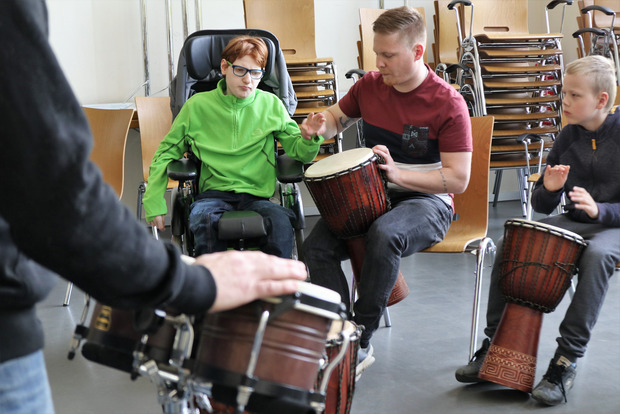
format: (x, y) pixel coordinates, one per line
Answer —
(314, 299)
(558, 231)
(336, 163)
(348, 328)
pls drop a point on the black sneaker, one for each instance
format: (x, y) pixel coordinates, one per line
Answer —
(556, 383)
(469, 373)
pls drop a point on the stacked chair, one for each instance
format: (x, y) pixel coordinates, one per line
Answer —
(514, 75)
(314, 78)
(598, 30)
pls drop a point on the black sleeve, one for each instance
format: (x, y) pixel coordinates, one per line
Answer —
(60, 212)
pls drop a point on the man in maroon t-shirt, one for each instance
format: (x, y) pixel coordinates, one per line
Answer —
(420, 125)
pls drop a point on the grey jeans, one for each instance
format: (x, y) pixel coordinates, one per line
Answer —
(596, 267)
(414, 223)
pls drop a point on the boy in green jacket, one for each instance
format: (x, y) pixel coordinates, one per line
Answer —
(231, 130)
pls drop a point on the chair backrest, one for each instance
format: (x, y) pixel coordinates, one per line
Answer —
(600, 19)
(155, 119)
(472, 206)
(511, 17)
(447, 36)
(198, 69)
(367, 18)
(292, 21)
(110, 128)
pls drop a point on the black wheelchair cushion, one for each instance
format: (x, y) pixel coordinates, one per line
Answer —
(235, 225)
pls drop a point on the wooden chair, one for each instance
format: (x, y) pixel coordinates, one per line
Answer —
(314, 78)
(468, 234)
(109, 128)
(155, 119)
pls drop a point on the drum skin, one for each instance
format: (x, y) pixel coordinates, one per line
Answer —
(537, 264)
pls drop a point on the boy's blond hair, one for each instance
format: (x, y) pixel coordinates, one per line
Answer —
(602, 73)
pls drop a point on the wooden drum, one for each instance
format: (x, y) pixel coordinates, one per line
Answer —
(291, 346)
(350, 192)
(537, 265)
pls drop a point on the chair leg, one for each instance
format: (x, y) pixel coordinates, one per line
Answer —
(496, 186)
(486, 245)
(386, 318)
(68, 294)
(571, 289)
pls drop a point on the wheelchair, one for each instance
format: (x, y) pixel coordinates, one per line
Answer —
(198, 71)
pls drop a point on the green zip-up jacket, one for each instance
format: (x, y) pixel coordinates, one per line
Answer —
(234, 140)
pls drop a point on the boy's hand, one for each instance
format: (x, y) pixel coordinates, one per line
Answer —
(582, 200)
(314, 124)
(159, 222)
(555, 177)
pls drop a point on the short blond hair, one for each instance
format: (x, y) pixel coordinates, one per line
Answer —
(404, 20)
(601, 72)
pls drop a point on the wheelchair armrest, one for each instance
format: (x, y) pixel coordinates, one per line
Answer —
(182, 170)
(234, 225)
(289, 170)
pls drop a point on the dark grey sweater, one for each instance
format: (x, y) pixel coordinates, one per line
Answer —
(594, 159)
(55, 208)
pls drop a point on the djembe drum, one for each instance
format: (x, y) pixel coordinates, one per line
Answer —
(538, 263)
(270, 349)
(349, 191)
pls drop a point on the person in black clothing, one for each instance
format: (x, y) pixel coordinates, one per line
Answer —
(583, 165)
(58, 217)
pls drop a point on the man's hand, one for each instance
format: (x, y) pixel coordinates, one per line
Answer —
(242, 277)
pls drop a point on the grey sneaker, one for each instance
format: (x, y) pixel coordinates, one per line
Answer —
(469, 373)
(364, 360)
(556, 383)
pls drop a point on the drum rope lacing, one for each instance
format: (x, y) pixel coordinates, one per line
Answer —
(559, 284)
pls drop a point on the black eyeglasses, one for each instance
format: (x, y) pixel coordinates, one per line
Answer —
(240, 71)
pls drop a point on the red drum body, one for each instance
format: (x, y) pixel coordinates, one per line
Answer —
(112, 339)
(291, 349)
(348, 190)
(538, 263)
(341, 386)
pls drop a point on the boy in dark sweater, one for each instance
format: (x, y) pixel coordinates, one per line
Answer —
(584, 165)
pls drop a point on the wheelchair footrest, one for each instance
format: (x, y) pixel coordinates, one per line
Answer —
(235, 225)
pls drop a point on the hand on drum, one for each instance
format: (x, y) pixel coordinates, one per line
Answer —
(582, 200)
(242, 277)
(388, 165)
(555, 177)
(314, 124)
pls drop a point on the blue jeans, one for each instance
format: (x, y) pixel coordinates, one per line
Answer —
(24, 388)
(596, 267)
(413, 224)
(209, 207)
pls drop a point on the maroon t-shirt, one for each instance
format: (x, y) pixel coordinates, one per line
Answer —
(415, 126)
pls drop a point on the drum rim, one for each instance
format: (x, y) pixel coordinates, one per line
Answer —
(555, 230)
(349, 327)
(370, 157)
(314, 299)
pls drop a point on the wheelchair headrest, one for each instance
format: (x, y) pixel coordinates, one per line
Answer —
(203, 51)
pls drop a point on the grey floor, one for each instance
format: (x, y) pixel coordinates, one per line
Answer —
(415, 358)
